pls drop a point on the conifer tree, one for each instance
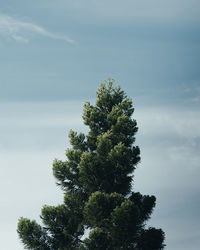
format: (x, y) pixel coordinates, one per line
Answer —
(97, 180)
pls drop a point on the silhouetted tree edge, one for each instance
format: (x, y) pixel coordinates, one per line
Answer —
(97, 179)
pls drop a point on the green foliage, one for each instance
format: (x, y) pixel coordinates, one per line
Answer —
(33, 235)
(151, 239)
(96, 179)
(97, 240)
(98, 209)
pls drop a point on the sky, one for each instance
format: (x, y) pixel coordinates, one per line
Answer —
(54, 55)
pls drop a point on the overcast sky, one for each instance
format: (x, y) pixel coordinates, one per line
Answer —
(53, 56)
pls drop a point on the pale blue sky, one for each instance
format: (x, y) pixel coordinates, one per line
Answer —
(54, 54)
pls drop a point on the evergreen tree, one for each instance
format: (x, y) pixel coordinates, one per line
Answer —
(97, 182)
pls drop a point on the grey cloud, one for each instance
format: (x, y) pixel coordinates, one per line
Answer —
(170, 141)
(181, 122)
(38, 126)
(145, 10)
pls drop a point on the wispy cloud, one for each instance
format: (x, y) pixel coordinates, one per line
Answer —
(21, 31)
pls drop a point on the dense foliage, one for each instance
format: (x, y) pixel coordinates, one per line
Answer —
(97, 182)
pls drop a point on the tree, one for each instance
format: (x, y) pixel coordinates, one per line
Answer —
(97, 182)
